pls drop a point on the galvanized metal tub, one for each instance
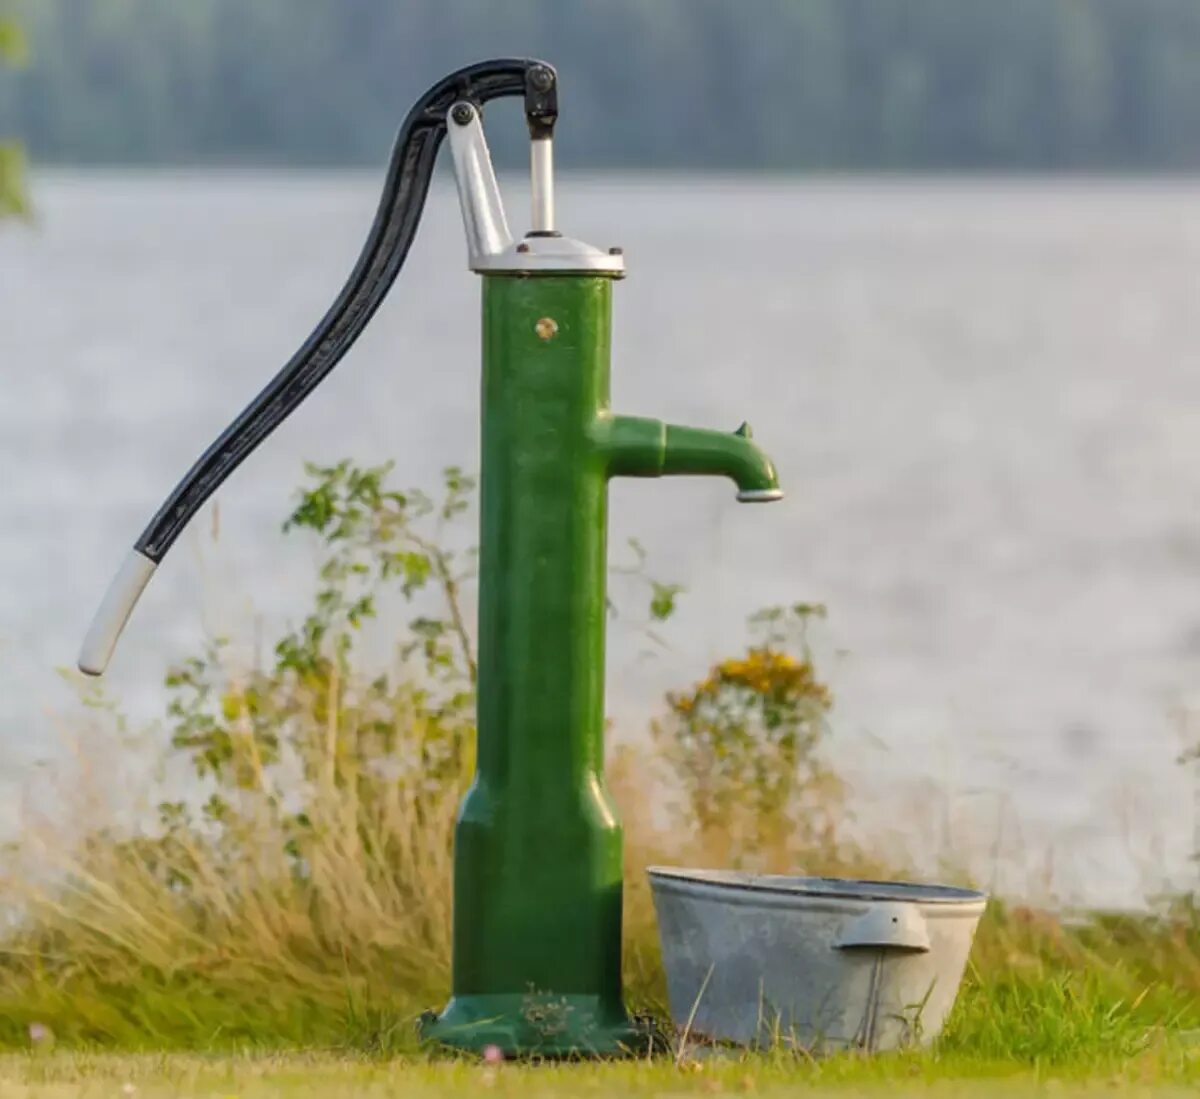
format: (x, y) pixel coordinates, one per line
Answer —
(823, 963)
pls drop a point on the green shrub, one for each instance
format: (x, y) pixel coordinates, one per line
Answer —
(13, 199)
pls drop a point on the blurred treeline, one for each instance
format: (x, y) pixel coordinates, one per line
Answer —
(764, 84)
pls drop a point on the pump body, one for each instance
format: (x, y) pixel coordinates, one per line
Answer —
(538, 847)
(538, 861)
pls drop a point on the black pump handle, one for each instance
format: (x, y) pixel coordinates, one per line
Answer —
(383, 255)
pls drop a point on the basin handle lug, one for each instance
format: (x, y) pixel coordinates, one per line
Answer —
(886, 926)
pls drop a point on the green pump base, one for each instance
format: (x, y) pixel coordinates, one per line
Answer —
(538, 1026)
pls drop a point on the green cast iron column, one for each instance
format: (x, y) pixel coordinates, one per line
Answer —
(538, 859)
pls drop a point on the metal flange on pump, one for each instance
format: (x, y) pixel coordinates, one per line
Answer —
(537, 860)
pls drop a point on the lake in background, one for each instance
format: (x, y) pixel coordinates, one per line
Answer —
(983, 398)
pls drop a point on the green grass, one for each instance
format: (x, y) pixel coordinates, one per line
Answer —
(1090, 997)
(1162, 1071)
(1044, 1009)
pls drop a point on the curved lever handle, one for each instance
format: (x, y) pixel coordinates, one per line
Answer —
(379, 263)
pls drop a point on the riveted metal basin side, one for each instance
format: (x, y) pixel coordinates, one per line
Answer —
(538, 847)
(827, 969)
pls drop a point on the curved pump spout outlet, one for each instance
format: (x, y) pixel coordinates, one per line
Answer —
(638, 447)
(757, 483)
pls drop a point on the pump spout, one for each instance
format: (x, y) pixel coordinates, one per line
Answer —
(736, 456)
(637, 447)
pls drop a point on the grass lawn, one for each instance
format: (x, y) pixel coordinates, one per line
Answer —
(1045, 1008)
(1163, 1070)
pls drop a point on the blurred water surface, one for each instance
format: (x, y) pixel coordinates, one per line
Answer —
(983, 398)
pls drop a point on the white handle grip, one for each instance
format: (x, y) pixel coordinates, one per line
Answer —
(119, 600)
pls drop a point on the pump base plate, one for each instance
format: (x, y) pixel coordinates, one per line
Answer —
(537, 1026)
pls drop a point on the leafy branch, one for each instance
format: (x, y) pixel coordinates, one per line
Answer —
(14, 50)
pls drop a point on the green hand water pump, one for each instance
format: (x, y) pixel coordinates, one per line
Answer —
(537, 859)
